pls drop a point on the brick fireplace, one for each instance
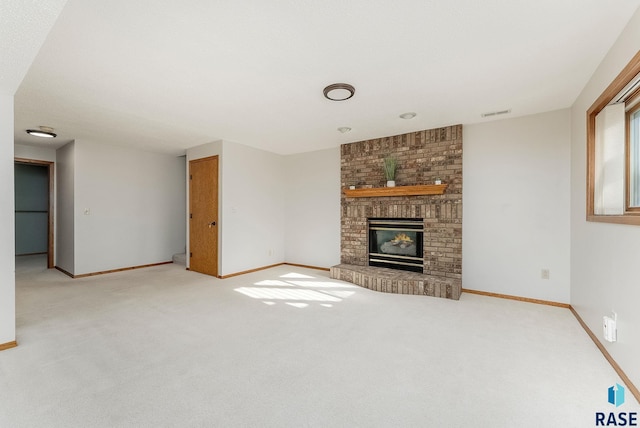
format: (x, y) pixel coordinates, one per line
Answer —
(423, 157)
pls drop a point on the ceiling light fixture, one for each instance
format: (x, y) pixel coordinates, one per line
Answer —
(44, 132)
(339, 92)
(409, 115)
(344, 129)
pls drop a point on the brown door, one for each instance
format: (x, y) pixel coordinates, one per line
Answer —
(203, 215)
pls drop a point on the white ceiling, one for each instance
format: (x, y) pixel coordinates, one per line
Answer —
(23, 28)
(168, 75)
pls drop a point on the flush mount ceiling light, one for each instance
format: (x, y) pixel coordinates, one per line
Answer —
(44, 132)
(409, 115)
(344, 129)
(339, 92)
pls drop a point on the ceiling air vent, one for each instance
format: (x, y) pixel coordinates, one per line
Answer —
(496, 113)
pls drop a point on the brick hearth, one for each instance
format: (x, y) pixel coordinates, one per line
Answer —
(399, 282)
(422, 157)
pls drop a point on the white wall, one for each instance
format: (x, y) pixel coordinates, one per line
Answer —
(35, 153)
(312, 210)
(136, 207)
(516, 206)
(7, 250)
(253, 208)
(251, 205)
(605, 273)
(64, 236)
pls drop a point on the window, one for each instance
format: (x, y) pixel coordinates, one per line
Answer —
(633, 149)
(613, 150)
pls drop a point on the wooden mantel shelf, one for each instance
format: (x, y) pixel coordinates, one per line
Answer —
(425, 189)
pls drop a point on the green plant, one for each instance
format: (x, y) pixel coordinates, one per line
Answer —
(390, 167)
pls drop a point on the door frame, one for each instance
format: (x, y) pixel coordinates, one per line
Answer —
(50, 223)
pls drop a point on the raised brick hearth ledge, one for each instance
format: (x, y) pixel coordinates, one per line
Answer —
(398, 282)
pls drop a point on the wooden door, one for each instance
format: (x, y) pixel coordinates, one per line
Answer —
(203, 215)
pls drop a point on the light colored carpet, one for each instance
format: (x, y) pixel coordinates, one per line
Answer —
(288, 347)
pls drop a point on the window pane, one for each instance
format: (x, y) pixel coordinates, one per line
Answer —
(634, 159)
(609, 161)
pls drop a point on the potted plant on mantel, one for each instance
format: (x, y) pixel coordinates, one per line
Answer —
(390, 167)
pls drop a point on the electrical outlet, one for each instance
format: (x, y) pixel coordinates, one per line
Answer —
(544, 273)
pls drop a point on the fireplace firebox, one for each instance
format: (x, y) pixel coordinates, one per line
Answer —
(396, 243)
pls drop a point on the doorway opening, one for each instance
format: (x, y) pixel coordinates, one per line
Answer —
(34, 198)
